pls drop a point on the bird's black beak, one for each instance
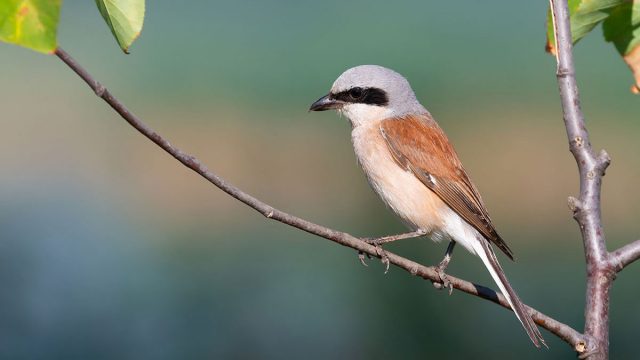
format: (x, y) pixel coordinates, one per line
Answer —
(326, 103)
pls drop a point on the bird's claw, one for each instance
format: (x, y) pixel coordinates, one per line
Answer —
(442, 266)
(385, 260)
(380, 252)
(444, 280)
(361, 257)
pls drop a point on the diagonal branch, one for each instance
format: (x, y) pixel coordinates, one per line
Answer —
(624, 256)
(563, 331)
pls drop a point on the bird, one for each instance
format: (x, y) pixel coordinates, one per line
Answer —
(413, 167)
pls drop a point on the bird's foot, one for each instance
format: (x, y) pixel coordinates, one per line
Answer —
(383, 258)
(444, 279)
(377, 242)
(379, 252)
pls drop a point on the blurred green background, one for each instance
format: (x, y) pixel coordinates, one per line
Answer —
(111, 249)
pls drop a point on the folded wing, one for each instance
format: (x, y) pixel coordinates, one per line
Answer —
(419, 145)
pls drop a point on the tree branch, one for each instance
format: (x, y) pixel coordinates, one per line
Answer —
(563, 331)
(624, 256)
(586, 209)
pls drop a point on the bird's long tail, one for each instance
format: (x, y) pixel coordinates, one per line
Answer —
(485, 252)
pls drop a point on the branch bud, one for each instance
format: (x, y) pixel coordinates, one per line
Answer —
(575, 205)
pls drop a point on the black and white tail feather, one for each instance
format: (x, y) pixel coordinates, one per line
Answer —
(485, 252)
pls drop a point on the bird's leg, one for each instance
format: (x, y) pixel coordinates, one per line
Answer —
(384, 240)
(392, 238)
(442, 266)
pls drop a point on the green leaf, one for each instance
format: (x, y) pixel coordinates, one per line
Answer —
(30, 23)
(585, 15)
(622, 28)
(620, 24)
(125, 19)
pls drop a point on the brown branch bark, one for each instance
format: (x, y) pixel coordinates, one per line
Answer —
(586, 209)
(624, 256)
(563, 331)
(602, 266)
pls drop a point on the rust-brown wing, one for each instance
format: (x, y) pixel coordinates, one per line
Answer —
(418, 144)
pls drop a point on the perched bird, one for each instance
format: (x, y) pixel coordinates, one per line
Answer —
(410, 163)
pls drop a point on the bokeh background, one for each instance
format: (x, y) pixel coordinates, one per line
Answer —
(111, 249)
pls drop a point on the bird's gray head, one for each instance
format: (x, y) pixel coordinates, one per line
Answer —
(370, 92)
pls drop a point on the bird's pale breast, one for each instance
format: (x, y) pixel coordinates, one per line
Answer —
(409, 198)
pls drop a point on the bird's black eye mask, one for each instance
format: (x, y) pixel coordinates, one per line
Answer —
(358, 95)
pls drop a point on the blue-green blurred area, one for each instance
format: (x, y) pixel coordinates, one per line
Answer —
(111, 249)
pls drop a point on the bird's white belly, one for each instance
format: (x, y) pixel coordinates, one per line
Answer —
(409, 198)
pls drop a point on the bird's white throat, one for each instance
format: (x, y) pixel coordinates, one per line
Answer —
(359, 114)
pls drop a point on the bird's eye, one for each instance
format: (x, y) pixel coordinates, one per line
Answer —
(356, 93)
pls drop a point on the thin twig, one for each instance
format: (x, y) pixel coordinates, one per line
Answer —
(624, 256)
(563, 331)
(586, 208)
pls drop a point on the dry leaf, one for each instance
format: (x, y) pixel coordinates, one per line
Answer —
(632, 58)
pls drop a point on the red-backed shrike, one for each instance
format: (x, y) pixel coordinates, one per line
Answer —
(413, 167)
